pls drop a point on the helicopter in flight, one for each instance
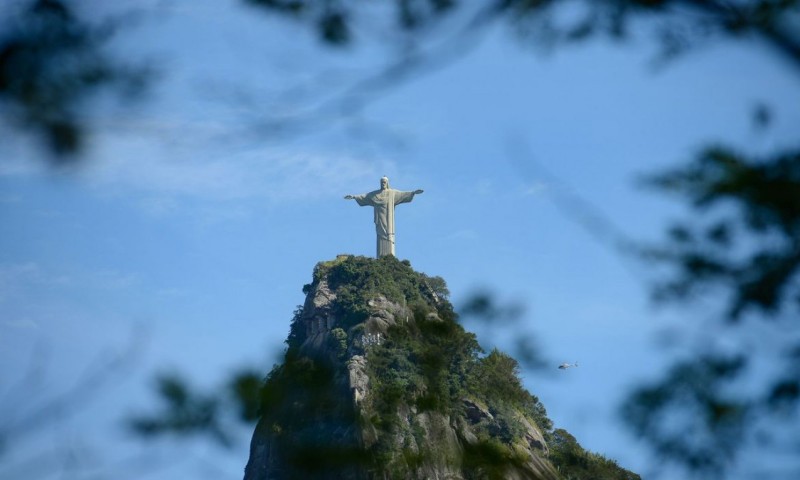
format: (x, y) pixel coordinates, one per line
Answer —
(566, 365)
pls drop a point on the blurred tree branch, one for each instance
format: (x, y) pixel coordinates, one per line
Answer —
(743, 241)
(51, 62)
(187, 412)
(678, 24)
(752, 248)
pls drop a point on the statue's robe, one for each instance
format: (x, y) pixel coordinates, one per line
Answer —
(383, 202)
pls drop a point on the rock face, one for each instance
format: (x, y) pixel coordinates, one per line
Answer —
(380, 382)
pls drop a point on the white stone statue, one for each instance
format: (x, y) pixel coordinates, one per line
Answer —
(383, 202)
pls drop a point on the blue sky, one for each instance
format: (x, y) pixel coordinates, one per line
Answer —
(190, 223)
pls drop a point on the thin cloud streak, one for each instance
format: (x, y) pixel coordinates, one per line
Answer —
(256, 174)
(16, 278)
(261, 174)
(22, 324)
(536, 189)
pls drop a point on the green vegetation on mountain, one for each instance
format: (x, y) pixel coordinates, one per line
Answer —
(428, 381)
(576, 463)
(356, 280)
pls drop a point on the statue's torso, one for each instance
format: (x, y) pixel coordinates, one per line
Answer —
(381, 198)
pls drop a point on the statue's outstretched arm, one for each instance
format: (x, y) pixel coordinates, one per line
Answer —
(417, 192)
(349, 197)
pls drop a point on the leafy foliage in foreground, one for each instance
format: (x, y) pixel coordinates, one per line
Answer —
(51, 62)
(742, 240)
(681, 25)
(751, 249)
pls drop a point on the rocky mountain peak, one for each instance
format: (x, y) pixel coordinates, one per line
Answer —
(379, 381)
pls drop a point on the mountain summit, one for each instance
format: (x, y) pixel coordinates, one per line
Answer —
(379, 381)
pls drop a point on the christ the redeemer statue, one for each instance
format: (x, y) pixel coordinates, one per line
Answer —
(383, 202)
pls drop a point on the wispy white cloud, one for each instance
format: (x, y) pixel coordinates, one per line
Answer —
(164, 179)
(30, 272)
(159, 206)
(17, 278)
(217, 214)
(535, 189)
(16, 166)
(164, 163)
(485, 186)
(172, 292)
(110, 279)
(10, 199)
(219, 174)
(21, 324)
(463, 234)
(14, 276)
(221, 186)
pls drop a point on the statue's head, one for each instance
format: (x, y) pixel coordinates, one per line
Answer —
(384, 183)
